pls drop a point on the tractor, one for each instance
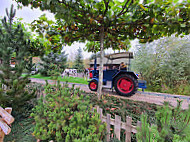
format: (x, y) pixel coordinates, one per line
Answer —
(123, 81)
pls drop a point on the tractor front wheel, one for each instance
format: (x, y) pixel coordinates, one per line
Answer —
(125, 85)
(93, 85)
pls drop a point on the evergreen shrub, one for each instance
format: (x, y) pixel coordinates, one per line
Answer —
(66, 115)
(172, 125)
(14, 46)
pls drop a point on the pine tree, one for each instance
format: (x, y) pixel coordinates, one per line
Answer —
(79, 60)
(172, 125)
(51, 60)
(13, 43)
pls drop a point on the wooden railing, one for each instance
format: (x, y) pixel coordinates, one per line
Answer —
(5, 121)
(118, 125)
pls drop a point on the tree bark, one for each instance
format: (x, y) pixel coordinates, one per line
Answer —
(101, 63)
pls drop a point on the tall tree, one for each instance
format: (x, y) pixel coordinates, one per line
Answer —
(111, 22)
(78, 63)
(50, 60)
(13, 43)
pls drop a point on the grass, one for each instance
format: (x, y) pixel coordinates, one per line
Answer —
(64, 79)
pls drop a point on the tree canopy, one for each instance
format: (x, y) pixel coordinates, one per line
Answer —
(82, 20)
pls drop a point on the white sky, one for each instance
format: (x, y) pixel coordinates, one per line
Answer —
(29, 15)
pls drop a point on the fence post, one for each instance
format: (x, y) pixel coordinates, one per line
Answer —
(117, 126)
(128, 129)
(138, 125)
(100, 112)
(108, 127)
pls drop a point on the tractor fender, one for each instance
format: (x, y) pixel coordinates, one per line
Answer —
(97, 79)
(124, 72)
(94, 79)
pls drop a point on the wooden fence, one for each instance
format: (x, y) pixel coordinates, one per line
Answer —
(118, 125)
(5, 121)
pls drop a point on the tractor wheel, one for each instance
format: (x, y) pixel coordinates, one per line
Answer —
(93, 85)
(125, 85)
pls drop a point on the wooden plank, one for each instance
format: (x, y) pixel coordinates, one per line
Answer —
(128, 129)
(100, 112)
(97, 109)
(6, 116)
(5, 128)
(123, 124)
(117, 126)
(108, 127)
(138, 124)
(8, 109)
(2, 135)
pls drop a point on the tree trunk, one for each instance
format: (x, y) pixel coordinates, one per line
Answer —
(101, 62)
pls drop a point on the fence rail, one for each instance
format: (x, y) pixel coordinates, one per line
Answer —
(118, 125)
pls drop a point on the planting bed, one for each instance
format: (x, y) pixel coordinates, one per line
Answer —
(22, 129)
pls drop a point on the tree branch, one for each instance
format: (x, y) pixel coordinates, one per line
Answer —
(106, 5)
(123, 9)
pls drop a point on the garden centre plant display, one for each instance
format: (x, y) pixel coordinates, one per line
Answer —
(66, 115)
(23, 127)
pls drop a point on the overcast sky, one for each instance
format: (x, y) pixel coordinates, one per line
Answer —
(29, 15)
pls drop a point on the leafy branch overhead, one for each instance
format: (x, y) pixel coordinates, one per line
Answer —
(121, 20)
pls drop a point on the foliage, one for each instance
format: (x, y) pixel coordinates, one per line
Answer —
(53, 61)
(82, 20)
(21, 129)
(48, 36)
(113, 23)
(23, 126)
(12, 85)
(144, 133)
(78, 63)
(124, 107)
(54, 73)
(65, 115)
(95, 55)
(172, 125)
(164, 65)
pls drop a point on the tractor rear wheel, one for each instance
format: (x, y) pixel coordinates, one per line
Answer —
(93, 85)
(125, 85)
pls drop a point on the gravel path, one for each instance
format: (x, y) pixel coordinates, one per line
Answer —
(139, 96)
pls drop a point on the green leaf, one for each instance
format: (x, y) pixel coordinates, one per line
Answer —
(183, 25)
(48, 2)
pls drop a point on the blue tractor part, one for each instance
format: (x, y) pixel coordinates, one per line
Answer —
(142, 84)
(123, 81)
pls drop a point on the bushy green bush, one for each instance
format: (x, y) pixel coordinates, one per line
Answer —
(172, 126)
(66, 115)
(164, 65)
